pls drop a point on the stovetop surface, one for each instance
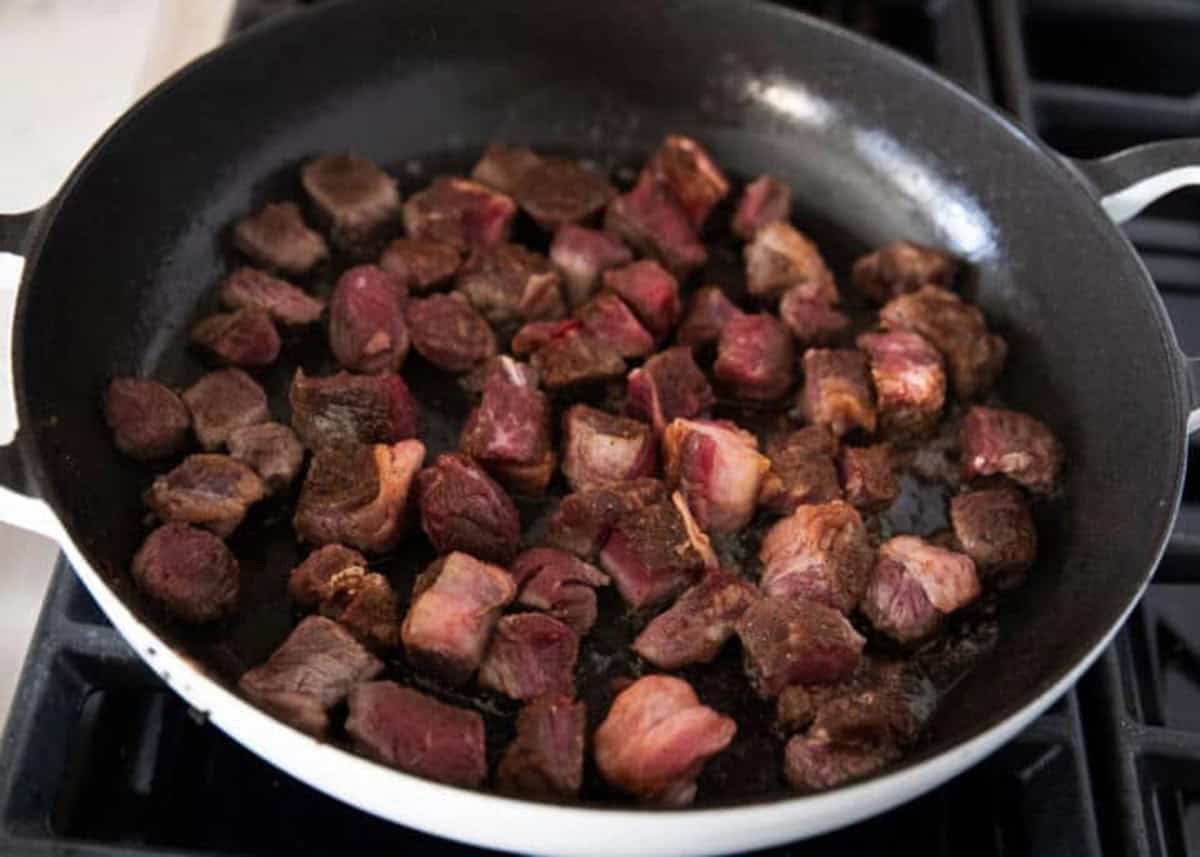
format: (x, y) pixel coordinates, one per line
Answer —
(100, 758)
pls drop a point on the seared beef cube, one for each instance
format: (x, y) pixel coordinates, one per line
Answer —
(657, 737)
(754, 357)
(688, 173)
(361, 601)
(222, 401)
(545, 760)
(509, 432)
(887, 702)
(501, 166)
(581, 255)
(700, 622)
(535, 334)
(575, 359)
(607, 319)
(355, 198)
(463, 509)
(308, 583)
(650, 221)
(148, 421)
(651, 292)
(795, 641)
(802, 469)
(797, 704)
(250, 288)
(345, 408)
(995, 529)
(816, 764)
(667, 386)
(600, 448)
(707, 314)
(819, 553)
(420, 264)
(414, 732)
(585, 519)
(531, 655)
(915, 585)
(782, 259)
(559, 191)
(311, 672)
(812, 321)
(448, 332)
(367, 332)
(837, 391)
(272, 449)
(655, 553)
(188, 571)
(765, 200)
(244, 338)
(718, 469)
(358, 495)
(461, 213)
(902, 267)
(957, 329)
(278, 239)
(509, 284)
(456, 604)
(560, 584)
(210, 491)
(868, 476)
(910, 381)
(1010, 443)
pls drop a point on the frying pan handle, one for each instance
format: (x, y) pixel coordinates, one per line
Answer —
(1128, 181)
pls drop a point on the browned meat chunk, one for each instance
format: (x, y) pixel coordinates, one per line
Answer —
(802, 469)
(700, 622)
(210, 491)
(607, 319)
(501, 166)
(902, 267)
(599, 448)
(577, 358)
(420, 264)
(793, 641)
(463, 509)
(1010, 443)
(367, 332)
(560, 584)
(957, 329)
(272, 449)
(915, 585)
(650, 221)
(535, 334)
(765, 200)
(718, 469)
(357, 200)
(585, 519)
(222, 401)
(837, 391)
(244, 338)
(531, 655)
(707, 314)
(509, 284)
(754, 357)
(910, 381)
(345, 408)
(688, 173)
(277, 238)
(819, 553)
(886, 702)
(780, 259)
(308, 584)
(509, 432)
(581, 255)
(148, 421)
(464, 214)
(250, 288)
(335, 579)
(456, 604)
(656, 738)
(545, 760)
(868, 476)
(448, 332)
(651, 292)
(667, 386)
(816, 764)
(311, 672)
(358, 494)
(188, 571)
(414, 732)
(812, 321)
(995, 529)
(559, 191)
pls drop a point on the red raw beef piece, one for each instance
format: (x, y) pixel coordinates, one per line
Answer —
(531, 655)
(509, 432)
(700, 622)
(718, 469)
(189, 571)
(754, 357)
(667, 386)
(244, 338)
(708, 312)
(448, 332)
(915, 585)
(250, 288)
(1010, 443)
(651, 292)
(652, 222)
(464, 214)
(581, 255)
(607, 319)
(545, 760)
(765, 200)
(533, 335)
(560, 584)
(367, 332)
(148, 421)
(464, 509)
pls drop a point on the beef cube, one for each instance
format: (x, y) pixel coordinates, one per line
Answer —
(463, 509)
(812, 321)
(802, 469)
(657, 737)
(915, 585)
(560, 584)
(910, 381)
(531, 655)
(464, 214)
(456, 604)
(448, 332)
(509, 432)
(358, 494)
(754, 357)
(367, 332)
(708, 312)
(222, 401)
(308, 582)
(600, 448)
(272, 449)
(335, 579)
(794, 641)
(250, 288)
(819, 553)
(210, 491)
(837, 391)
(695, 628)
(545, 759)
(414, 732)
(558, 191)
(885, 704)
(278, 239)
(655, 553)
(345, 408)
(780, 259)
(718, 469)
(650, 221)
(974, 357)
(651, 292)
(868, 476)
(312, 671)
(535, 334)
(509, 284)
(765, 200)
(148, 421)
(584, 520)
(687, 172)
(511, 370)
(244, 338)
(420, 264)
(995, 529)
(581, 255)
(358, 201)
(902, 267)
(667, 386)
(1010, 443)
(189, 571)
(797, 705)
(501, 166)
(607, 319)
(816, 764)
(577, 359)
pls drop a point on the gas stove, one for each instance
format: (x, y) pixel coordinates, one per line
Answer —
(100, 758)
